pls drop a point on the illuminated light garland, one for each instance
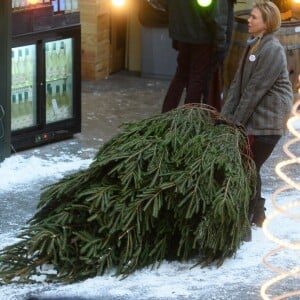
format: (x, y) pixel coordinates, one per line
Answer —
(286, 211)
(285, 177)
(276, 269)
(272, 237)
(276, 279)
(287, 145)
(282, 208)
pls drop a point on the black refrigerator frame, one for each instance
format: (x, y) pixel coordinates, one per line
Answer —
(43, 132)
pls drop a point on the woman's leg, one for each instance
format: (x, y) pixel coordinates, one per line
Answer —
(262, 148)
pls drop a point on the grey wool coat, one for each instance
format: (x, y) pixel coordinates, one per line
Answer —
(260, 97)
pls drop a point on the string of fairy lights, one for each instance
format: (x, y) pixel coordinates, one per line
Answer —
(286, 210)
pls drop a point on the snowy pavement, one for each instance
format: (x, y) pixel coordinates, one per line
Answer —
(238, 278)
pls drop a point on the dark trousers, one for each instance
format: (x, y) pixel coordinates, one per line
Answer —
(193, 69)
(262, 147)
(216, 88)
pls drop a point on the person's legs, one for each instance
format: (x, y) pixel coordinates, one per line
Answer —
(179, 81)
(262, 148)
(215, 88)
(199, 70)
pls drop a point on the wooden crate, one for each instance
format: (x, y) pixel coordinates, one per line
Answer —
(104, 30)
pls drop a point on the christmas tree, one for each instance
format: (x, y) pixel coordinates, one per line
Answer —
(174, 186)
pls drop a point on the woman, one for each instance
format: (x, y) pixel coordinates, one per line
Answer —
(260, 97)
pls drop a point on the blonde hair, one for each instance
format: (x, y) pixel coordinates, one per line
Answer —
(270, 14)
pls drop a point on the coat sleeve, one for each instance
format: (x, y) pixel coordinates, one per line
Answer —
(216, 18)
(231, 100)
(220, 21)
(233, 95)
(269, 65)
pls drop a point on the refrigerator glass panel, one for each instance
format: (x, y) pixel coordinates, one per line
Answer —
(59, 80)
(23, 89)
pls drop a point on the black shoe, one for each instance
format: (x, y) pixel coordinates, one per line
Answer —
(248, 236)
(259, 213)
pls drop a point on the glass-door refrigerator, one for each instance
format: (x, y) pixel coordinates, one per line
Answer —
(46, 87)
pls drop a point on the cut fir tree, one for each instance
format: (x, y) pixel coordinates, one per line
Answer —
(171, 187)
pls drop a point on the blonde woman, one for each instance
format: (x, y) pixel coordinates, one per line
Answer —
(260, 97)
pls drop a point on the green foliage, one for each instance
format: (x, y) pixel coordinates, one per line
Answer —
(173, 186)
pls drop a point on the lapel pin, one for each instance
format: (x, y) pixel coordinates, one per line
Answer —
(252, 57)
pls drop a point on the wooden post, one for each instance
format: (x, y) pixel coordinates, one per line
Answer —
(5, 78)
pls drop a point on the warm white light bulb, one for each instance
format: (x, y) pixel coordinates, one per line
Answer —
(118, 3)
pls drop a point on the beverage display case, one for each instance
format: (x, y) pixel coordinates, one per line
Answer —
(46, 78)
(23, 97)
(59, 80)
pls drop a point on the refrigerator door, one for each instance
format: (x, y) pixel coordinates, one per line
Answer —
(59, 80)
(23, 90)
(46, 93)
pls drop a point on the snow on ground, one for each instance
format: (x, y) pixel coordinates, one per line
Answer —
(239, 278)
(20, 170)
